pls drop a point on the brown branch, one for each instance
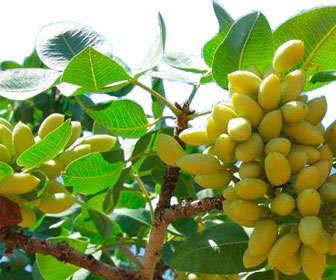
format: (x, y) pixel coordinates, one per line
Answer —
(63, 252)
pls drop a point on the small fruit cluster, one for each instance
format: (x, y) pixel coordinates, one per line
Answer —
(269, 148)
(56, 198)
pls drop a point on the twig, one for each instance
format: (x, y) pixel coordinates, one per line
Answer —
(146, 194)
(276, 274)
(63, 252)
(127, 252)
(193, 116)
(193, 93)
(159, 97)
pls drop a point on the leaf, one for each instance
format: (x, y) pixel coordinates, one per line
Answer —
(248, 43)
(223, 17)
(131, 220)
(317, 29)
(217, 250)
(91, 174)
(183, 227)
(323, 76)
(40, 189)
(102, 222)
(171, 76)
(155, 53)
(32, 61)
(131, 200)
(268, 275)
(93, 70)
(5, 170)
(58, 43)
(25, 83)
(8, 64)
(122, 117)
(46, 149)
(52, 269)
(157, 106)
(185, 62)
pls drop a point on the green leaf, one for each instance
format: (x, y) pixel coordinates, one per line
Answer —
(58, 43)
(217, 250)
(40, 189)
(46, 149)
(248, 43)
(150, 162)
(155, 53)
(185, 62)
(91, 174)
(5, 170)
(52, 269)
(25, 83)
(8, 64)
(171, 76)
(157, 106)
(122, 117)
(131, 220)
(32, 61)
(323, 76)
(131, 200)
(268, 275)
(93, 70)
(317, 29)
(183, 227)
(102, 222)
(224, 19)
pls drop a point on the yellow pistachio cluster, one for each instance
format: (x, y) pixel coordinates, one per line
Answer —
(269, 152)
(56, 198)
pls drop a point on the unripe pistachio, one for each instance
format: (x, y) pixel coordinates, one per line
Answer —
(18, 183)
(222, 113)
(317, 109)
(303, 133)
(294, 111)
(215, 180)
(283, 204)
(280, 145)
(292, 86)
(288, 55)
(244, 82)
(52, 122)
(271, 125)
(251, 149)
(277, 168)
(309, 202)
(168, 149)
(100, 142)
(28, 217)
(313, 263)
(239, 129)
(195, 137)
(269, 92)
(23, 137)
(76, 130)
(199, 164)
(310, 230)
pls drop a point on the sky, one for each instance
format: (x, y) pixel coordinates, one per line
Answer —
(131, 27)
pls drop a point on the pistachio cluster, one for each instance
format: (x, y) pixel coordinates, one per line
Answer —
(272, 156)
(56, 198)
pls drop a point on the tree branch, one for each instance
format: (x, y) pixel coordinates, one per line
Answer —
(63, 252)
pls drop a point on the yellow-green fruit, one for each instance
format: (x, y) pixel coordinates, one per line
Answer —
(23, 137)
(6, 123)
(51, 168)
(325, 153)
(292, 86)
(332, 178)
(239, 129)
(303, 133)
(72, 154)
(28, 217)
(312, 153)
(52, 203)
(303, 98)
(195, 137)
(168, 149)
(229, 193)
(224, 148)
(288, 55)
(251, 188)
(222, 113)
(212, 129)
(18, 183)
(313, 263)
(323, 167)
(332, 245)
(100, 143)
(271, 125)
(246, 107)
(76, 130)
(317, 109)
(263, 237)
(252, 261)
(251, 149)
(56, 187)
(6, 139)
(286, 246)
(330, 136)
(283, 204)
(243, 210)
(291, 266)
(297, 160)
(193, 276)
(277, 168)
(319, 127)
(250, 170)
(309, 202)
(199, 164)
(269, 92)
(52, 122)
(216, 180)
(328, 192)
(322, 246)
(294, 111)
(308, 177)
(244, 82)
(310, 230)
(4, 154)
(280, 145)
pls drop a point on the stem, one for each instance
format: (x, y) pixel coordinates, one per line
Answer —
(146, 194)
(159, 97)
(193, 93)
(193, 116)
(128, 253)
(276, 274)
